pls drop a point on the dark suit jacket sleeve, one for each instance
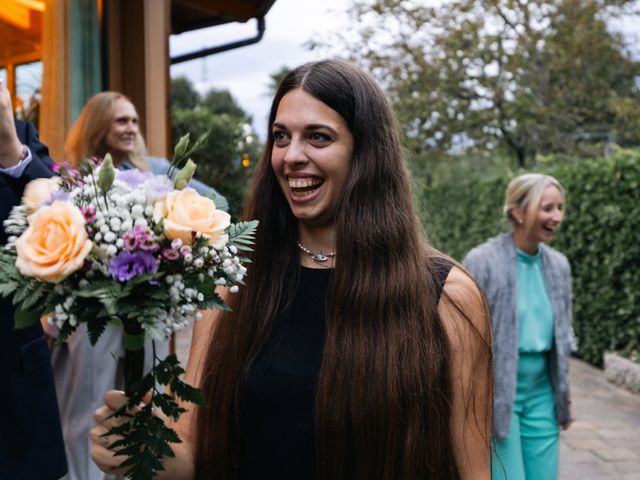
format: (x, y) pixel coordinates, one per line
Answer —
(40, 165)
(12, 188)
(31, 444)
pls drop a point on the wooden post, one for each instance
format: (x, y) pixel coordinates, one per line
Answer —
(138, 63)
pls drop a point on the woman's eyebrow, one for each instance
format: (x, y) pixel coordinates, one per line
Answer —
(312, 126)
(318, 126)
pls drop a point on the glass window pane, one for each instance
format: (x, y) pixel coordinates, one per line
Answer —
(3, 75)
(28, 84)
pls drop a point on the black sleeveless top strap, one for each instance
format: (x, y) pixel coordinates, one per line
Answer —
(278, 392)
(441, 269)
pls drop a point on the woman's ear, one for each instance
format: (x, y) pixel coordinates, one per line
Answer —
(517, 215)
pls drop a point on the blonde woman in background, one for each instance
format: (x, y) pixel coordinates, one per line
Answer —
(528, 288)
(108, 123)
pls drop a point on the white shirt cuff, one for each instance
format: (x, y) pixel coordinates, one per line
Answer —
(17, 170)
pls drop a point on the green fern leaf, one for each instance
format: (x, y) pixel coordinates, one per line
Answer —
(8, 288)
(243, 232)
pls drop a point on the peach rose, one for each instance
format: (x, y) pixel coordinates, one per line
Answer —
(39, 191)
(55, 244)
(185, 211)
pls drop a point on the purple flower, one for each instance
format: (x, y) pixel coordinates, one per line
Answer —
(134, 177)
(139, 238)
(149, 245)
(170, 254)
(185, 250)
(131, 242)
(59, 166)
(89, 214)
(157, 187)
(133, 238)
(70, 176)
(127, 265)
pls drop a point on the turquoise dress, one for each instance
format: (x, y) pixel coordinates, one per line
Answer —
(531, 450)
(535, 314)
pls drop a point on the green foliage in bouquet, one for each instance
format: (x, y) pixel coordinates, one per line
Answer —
(145, 447)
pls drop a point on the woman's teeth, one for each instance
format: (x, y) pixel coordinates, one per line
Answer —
(304, 182)
(303, 186)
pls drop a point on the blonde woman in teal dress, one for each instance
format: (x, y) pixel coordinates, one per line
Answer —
(528, 288)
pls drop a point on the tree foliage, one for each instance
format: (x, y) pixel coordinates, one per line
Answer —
(230, 138)
(500, 76)
(183, 95)
(221, 102)
(275, 78)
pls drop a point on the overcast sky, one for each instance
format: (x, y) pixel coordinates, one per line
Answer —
(245, 71)
(289, 24)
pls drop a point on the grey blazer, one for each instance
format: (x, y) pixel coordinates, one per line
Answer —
(493, 265)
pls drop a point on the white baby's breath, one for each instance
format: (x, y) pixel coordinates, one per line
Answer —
(113, 220)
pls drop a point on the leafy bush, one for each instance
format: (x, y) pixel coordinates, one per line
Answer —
(219, 160)
(231, 143)
(600, 237)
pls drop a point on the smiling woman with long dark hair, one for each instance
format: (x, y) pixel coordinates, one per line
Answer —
(355, 351)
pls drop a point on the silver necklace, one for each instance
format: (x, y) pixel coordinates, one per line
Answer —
(318, 256)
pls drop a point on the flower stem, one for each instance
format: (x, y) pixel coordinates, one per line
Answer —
(133, 359)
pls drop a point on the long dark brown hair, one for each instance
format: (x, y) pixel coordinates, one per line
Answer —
(383, 401)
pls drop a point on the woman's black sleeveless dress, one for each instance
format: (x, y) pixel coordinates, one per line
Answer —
(277, 403)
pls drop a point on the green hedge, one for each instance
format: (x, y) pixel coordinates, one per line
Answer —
(600, 236)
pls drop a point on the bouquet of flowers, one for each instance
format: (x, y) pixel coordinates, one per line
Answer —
(144, 251)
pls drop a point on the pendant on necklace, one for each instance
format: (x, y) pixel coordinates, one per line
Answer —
(319, 257)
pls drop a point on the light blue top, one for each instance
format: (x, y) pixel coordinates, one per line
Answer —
(535, 313)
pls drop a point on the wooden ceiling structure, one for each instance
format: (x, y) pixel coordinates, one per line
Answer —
(20, 36)
(20, 29)
(189, 15)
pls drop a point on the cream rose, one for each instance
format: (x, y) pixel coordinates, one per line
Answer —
(39, 191)
(185, 211)
(55, 244)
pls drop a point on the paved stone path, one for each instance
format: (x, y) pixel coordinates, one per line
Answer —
(604, 441)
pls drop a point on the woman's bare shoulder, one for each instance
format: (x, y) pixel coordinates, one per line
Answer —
(465, 320)
(462, 305)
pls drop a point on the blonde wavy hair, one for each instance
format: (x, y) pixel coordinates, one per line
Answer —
(87, 135)
(525, 191)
